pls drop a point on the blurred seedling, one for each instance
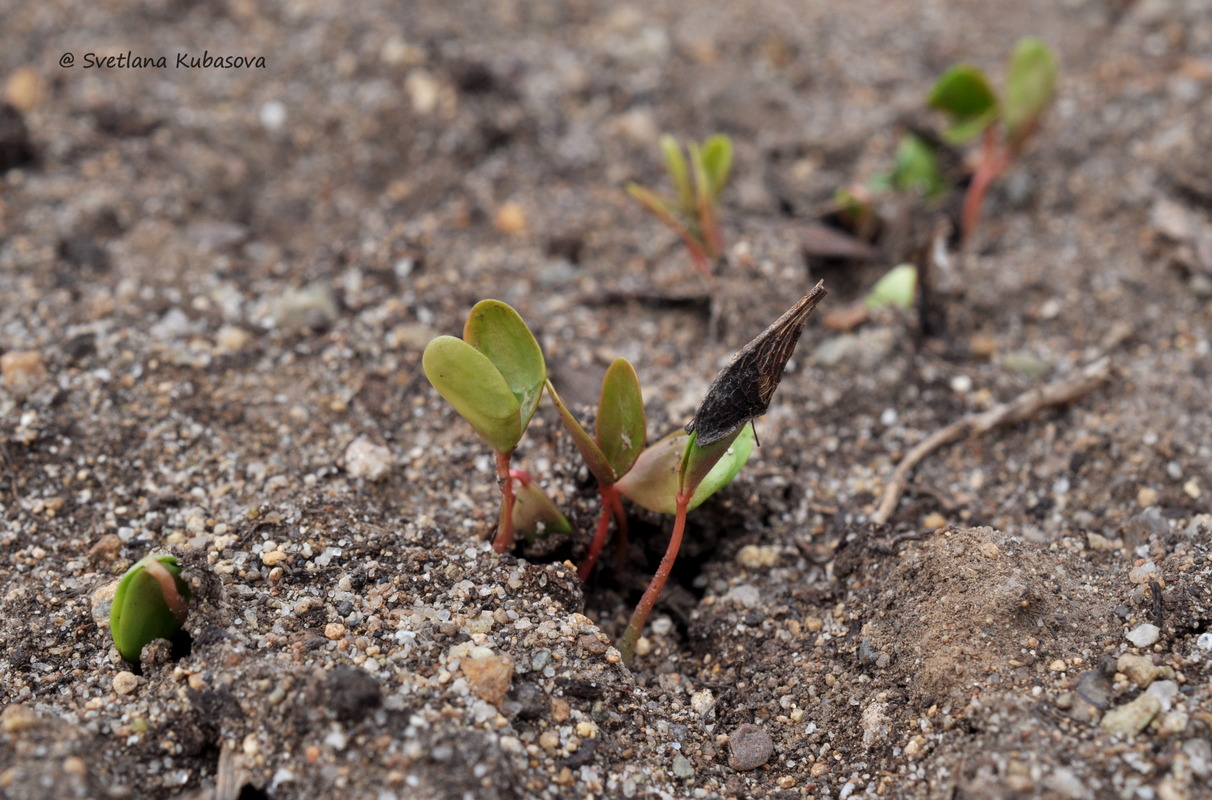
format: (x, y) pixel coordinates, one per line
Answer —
(151, 602)
(679, 472)
(915, 170)
(493, 377)
(896, 288)
(618, 438)
(1004, 124)
(693, 211)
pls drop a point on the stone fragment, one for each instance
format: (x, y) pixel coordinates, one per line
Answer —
(365, 459)
(749, 747)
(1132, 718)
(125, 682)
(22, 371)
(1144, 635)
(1139, 669)
(489, 677)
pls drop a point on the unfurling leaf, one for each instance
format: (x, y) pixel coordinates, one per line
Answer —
(620, 428)
(743, 389)
(653, 481)
(675, 165)
(1030, 85)
(917, 168)
(716, 156)
(963, 92)
(897, 288)
(499, 332)
(150, 603)
(595, 459)
(534, 515)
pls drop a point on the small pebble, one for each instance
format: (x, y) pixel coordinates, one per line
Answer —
(313, 308)
(934, 521)
(749, 747)
(1139, 669)
(1144, 635)
(22, 371)
(365, 459)
(1132, 718)
(489, 677)
(511, 219)
(702, 701)
(682, 768)
(1165, 692)
(125, 682)
(753, 556)
(17, 718)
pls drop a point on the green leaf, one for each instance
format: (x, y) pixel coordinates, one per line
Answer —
(1030, 86)
(534, 515)
(497, 331)
(476, 389)
(653, 481)
(620, 429)
(896, 288)
(675, 165)
(717, 163)
(963, 93)
(916, 167)
(595, 460)
(141, 612)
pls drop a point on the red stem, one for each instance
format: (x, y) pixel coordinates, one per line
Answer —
(505, 534)
(599, 539)
(640, 615)
(994, 161)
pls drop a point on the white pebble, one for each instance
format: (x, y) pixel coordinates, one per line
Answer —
(1144, 635)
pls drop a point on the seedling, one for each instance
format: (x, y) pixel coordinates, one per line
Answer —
(493, 377)
(693, 213)
(738, 395)
(151, 603)
(618, 439)
(896, 288)
(1004, 124)
(534, 515)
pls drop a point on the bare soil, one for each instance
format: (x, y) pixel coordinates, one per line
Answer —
(215, 280)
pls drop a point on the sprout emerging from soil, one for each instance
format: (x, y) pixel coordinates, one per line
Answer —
(619, 436)
(494, 378)
(1005, 124)
(715, 445)
(495, 375)
(693, 213)
(152, 602)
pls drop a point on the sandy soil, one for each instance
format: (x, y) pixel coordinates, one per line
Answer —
(215, 281)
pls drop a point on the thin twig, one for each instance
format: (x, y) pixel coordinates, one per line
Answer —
(1022, 407)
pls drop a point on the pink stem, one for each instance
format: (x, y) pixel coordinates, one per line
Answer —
(994, 162)
(640, 615)
(505, 477)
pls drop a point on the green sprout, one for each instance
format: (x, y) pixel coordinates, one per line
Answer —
(693, 213)
(684, 470)
(897, 288)
(493, 377)
(1005, 124)
(151, 603)
(618, 439)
